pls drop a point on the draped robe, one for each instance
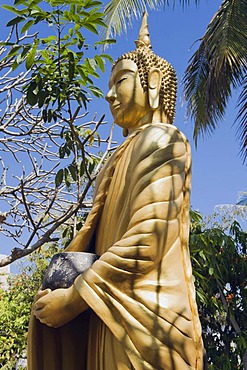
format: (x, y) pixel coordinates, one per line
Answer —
(143, 313)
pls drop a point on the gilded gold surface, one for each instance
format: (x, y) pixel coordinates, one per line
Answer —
(140, 292)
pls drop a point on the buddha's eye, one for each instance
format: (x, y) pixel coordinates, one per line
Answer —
(121, 80)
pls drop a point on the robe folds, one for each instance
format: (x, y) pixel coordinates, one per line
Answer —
(143, 313)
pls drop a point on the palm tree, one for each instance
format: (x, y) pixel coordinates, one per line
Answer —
(216, 68)
(242, 199)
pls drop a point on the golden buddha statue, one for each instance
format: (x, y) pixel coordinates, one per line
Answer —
(134, 308)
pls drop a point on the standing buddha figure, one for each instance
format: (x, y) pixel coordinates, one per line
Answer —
(135, 307)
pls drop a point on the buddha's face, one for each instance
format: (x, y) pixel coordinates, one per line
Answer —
(128, 102)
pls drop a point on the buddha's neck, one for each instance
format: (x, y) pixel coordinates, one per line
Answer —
(157, 116)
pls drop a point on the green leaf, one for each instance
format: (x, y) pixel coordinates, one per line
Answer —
(18, 2)
(25, 50)
(105, 42)
(14, 21)
(81, 98)
(91, 165)
(108, 57)
(201, 254)
(211, 271)
(44, 115)
(50, 115)
(27, 26)
(71, 70)
(90, 4)
(82, 168)
(71, 65)
(72, 8)
(67, 177)
(71, 32)
(98, 138)
(59, 178)
(31, 96)
(11, 9)
(82, 73)
(91, 63)
(91, 27)
(14, 50)
(91, 137)
(31, 55)
(62, 151)
(96, 91)
(73, 171)
(46, 56)
(79, 36)
(48, 39)
(62, 132)
(100, 62)
(15, 65)
(60, 2)
(54, 116)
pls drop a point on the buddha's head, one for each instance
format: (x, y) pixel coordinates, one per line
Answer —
(142, 87)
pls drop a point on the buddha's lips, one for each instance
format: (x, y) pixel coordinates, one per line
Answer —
(115, 106)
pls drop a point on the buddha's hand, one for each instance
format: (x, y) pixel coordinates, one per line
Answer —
(56, 308)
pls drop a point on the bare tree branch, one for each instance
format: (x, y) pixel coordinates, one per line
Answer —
(49, 154)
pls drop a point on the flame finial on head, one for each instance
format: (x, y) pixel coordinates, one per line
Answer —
(144, 38)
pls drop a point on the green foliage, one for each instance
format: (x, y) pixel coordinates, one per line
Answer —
(68, 231)
(220, 271)
(57, 61)
(15, 306)
(82, 165)
(218, 66)
(50, 60)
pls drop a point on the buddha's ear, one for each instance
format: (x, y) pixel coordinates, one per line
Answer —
(154, 84)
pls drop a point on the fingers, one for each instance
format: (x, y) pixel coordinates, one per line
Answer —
(42, 307)
(51, 307)
(38, 314)
(39, 305)
(41, 315)
(42, 319)
(42, 293)
(41, 299)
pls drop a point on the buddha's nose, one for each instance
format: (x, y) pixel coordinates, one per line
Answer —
(111, 96)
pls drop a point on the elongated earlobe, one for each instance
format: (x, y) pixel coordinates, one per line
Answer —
(154, 84)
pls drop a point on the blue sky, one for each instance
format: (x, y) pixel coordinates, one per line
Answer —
(218, 171)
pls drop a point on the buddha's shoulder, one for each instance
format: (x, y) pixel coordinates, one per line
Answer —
(161, 134)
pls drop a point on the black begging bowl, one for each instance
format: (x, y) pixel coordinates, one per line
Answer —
(65, 267)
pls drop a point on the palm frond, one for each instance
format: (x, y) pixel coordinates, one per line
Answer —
(241, 120)
(242, 198)
(119, 14)
(243, 201)
(217, 66)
